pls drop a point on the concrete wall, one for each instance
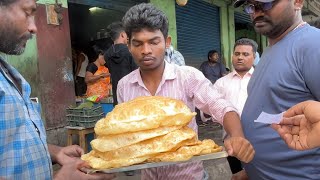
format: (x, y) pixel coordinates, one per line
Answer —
(168, 7)
(55, 71)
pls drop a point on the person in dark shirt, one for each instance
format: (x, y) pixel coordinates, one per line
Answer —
(213, 69)
(118, 58)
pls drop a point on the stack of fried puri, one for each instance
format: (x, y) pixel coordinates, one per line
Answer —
(146, 129)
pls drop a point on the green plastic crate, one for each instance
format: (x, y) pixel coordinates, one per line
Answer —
(83, 121)
(94, 111)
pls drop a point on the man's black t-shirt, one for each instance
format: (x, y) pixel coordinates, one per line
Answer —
(119, 61)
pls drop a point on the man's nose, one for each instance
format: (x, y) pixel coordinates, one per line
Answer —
(32, 28)
(146, 49)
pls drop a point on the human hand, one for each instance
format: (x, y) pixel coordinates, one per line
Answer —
(71, 171)
(104, 75)
(300, 127)
(69, 154)
(240, 148)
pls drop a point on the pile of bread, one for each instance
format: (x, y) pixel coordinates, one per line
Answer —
(146, 129)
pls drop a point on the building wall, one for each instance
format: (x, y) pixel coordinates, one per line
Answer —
(168, 7)
(55, 68)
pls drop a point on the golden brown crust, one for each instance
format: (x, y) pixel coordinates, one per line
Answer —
(113, 142)
(146, 129)
(144, 113)
(150, 146)
(185, 153)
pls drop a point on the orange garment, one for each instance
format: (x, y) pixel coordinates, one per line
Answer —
(100, 87)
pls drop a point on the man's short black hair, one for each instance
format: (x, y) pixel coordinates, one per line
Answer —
(212, 52)
(114, 30)
(145, 15)
(246, 41)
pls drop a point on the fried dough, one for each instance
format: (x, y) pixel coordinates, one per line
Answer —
(144, 113)
(150, 146)
(113, 142)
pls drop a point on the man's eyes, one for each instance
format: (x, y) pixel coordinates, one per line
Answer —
(244, 54)
(139, 44)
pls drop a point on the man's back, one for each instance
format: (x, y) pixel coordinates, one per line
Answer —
(120, 63)
(287, 74)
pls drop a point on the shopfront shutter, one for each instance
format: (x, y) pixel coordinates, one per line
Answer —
(198, 31)
(242, 18)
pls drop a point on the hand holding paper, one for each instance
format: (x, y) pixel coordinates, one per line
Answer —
(300, 128)
(269, 118)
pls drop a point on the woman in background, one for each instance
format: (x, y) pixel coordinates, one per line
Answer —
(98, 76)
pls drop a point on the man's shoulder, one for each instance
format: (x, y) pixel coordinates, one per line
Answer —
(225, 79)
(307, 36)
(132, 76)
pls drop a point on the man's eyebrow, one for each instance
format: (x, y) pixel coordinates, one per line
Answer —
(155, 38)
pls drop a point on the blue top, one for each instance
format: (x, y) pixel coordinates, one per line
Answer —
(213, 72)
(288, 73)
(23, 147)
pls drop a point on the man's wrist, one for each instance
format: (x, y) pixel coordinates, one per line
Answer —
(54, 152)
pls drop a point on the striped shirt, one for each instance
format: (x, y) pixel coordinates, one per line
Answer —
(23, 147)
(234, 88)
(183, 83)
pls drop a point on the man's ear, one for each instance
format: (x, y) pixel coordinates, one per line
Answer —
(168, 41)
(298, 4)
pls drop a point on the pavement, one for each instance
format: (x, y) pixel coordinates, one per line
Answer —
(217, 169)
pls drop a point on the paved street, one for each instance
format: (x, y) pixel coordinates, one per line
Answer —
(217, 169)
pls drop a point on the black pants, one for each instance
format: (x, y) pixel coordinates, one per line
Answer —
(235, 164)
(80, 86)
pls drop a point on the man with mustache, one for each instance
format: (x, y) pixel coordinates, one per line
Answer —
(233, 86)
(287, 74)
(147, 29)
(24, 153)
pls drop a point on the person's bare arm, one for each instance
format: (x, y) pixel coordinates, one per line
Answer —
(91, 78)
(80, 59)
(237, 145)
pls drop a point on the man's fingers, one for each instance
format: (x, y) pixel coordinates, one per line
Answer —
(296, 109)
(79, 150)
(228, 146)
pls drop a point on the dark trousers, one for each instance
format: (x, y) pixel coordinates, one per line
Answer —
(235, 164)
(80, 86)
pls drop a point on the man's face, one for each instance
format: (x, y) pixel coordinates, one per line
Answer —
(272, 23)
(243, 58)
(17, 26)
(214, 57)
(148, 49)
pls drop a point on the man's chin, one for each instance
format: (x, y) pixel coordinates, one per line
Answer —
(17, 51)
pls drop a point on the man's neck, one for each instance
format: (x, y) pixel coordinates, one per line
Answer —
(241, 74)
(273, 41)
(152, 79)
(119, 41)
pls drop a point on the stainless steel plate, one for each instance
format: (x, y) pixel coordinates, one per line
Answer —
(216, 155)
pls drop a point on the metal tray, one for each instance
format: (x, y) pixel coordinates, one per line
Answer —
(216, 155)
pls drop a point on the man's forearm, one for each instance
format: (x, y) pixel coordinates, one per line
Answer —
(232, 124)
(53, 151)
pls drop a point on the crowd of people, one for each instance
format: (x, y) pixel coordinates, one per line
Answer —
(142, 62)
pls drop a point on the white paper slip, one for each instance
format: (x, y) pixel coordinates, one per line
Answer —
(269, 118)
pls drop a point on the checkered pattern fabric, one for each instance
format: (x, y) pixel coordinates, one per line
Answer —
(23, 147)
(174, 57)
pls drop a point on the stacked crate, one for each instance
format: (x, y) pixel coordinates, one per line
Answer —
(85, 117)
